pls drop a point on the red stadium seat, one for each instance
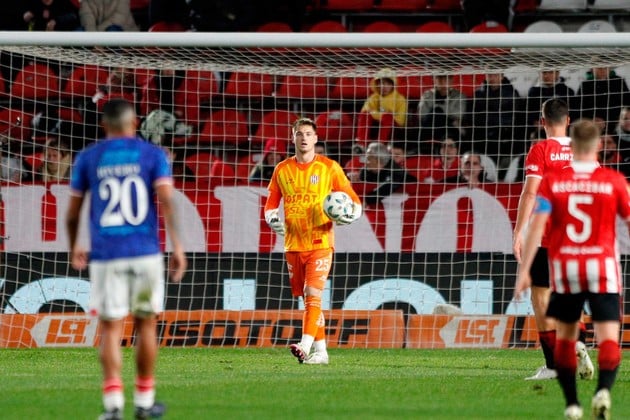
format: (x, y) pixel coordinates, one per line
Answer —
(523, 6)
(35, 81)
(143, 76)
(413, 86)
(85, 80)
(489, 26)
(275, 124)
(400, 5)
(381, 26)
(304, 87)
(328, 26)
(348, 87)
(467, 83)
(446, 5)
(274, 27)
(356, 5)
(249, 85)
(198, 87)
(200, 164)
(416, 165)
(139, 4)
(435, 27)
(335, 126)
(15, 124)
(225, 126)
(167, 27)
(245, 164)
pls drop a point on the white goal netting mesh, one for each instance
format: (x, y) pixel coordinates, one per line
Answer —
(429, 265)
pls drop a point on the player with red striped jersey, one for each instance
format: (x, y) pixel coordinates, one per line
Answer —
(581, 202)
(545, 156)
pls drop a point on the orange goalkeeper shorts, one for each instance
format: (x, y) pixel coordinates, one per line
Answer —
(308, 268)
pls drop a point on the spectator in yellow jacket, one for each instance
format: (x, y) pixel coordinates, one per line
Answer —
(385, 109)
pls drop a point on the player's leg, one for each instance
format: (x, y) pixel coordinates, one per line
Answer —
(606, 310)
(295, 266)
(546, 327)
(147, 296)
(566, 309)
(317, 269)
(109, 301)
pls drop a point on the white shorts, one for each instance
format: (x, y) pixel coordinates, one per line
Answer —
(126, 285)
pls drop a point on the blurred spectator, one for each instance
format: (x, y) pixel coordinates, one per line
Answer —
(159, 92)
(440, 108)
(106, 15)
(479, 11)
(610, 157)
(381, 169)
(494, 110)
(385, 109)
(550, 85)
(398, 153)
(447, 163)
(275, 151)
(471, 171)
(50, 15)
(623, 131)
(320, 148)
(57, 162)
(603, 95)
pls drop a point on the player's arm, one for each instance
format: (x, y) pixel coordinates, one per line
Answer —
(272, 210)
(341, 183)
(530, 244)
(177, 262)
(78, 256)
(525, 206)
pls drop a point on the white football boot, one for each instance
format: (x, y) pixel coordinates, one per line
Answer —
(543, 373)
(573, 412)
(317, 358)
(600, 405)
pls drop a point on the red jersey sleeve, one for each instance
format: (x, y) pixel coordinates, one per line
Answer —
(623, 198)
(535, 161)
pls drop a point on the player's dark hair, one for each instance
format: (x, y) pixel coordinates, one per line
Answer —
(585, 135)
(115, 109)
(555, 111)
(304, 121)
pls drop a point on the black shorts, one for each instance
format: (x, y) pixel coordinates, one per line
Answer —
(540, 269)
(568, 307)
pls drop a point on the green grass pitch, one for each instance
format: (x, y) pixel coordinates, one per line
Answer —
(214, 383)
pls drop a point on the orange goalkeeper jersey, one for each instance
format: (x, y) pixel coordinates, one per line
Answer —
(303, 187)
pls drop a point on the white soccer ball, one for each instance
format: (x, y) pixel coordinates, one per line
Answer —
(337, 204)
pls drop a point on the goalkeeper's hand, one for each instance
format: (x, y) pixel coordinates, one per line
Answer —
(273, 220)
(346, 219)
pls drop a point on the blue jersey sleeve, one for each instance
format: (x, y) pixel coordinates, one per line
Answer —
(162, 167)
(543, 206)
(78, 178)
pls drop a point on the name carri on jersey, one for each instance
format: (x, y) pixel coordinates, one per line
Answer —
(567, 157)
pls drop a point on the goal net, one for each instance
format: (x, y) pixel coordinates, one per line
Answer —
(430, 263)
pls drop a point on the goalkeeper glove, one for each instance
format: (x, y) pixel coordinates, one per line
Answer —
(346, 219)
(273, 220)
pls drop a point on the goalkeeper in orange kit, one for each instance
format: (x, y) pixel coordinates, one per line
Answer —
(303, 181)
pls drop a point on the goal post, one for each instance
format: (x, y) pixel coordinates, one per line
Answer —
(429, 265)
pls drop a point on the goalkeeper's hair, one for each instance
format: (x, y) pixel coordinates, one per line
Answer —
(585, 135)
(304, 121)
(555, 111)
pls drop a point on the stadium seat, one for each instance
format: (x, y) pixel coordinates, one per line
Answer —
(15, 124)
(413, 86)
(35, 81)
(610, 5)
(199, 163)
(467, 80)
(524, 6)
(242, 84)
(400, 5)
(543, 26)
(84, 81)
(436, 27)
(198, 87)
(489, 167)
(573, 77)
(346, 5)
(417, 165)
(142, 76)
(167, 27)
(348, 87)
(522, 78)
(444, 5)
(328, 26)
(304, 87)
(597, 26)
(244, 165)
(562, 5)
(275, 124)
(335, 127)
(489, 26)
(274, 27)
(139, 4)
(225, 126)
(381, 26)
